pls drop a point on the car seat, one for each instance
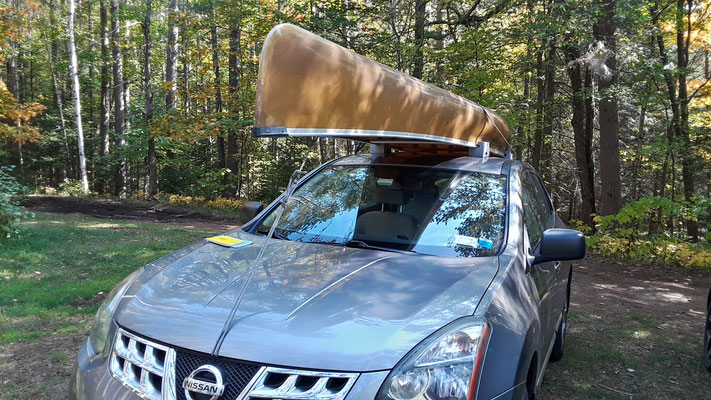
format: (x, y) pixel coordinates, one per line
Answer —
(387, 226)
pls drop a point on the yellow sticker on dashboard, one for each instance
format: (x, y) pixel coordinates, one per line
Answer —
(228, 241)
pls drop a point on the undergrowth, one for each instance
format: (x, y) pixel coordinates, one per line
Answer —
(10, 209)
(653, 230)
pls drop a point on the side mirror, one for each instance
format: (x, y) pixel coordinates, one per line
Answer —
(250, 210)
(560, 245)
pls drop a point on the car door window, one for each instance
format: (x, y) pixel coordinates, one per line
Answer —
(531, 215)
(542, 201)
(536, 208)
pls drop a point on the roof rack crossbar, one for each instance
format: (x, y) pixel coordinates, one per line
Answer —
(482, 150)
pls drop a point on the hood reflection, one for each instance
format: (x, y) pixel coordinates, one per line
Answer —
(359, 309)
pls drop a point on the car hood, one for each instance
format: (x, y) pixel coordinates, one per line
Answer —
(308, 305)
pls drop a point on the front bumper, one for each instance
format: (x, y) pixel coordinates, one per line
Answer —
(92, 380)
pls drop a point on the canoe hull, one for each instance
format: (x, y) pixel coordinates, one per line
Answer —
(308, 86)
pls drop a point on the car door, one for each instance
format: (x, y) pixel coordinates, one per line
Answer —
(538, 216)
(558, 285)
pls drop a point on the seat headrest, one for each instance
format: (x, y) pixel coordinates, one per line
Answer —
(385, 226)
(391, 194)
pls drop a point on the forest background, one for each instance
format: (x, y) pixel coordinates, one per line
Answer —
(609, 99)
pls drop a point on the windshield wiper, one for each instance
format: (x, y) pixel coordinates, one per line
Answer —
(363, 245)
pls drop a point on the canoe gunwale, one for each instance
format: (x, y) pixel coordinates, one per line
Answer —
(368, 136)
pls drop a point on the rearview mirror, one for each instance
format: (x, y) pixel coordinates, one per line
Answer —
(560, 245)
(250, 210)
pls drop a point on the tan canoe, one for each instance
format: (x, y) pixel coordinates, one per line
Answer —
(309, 86)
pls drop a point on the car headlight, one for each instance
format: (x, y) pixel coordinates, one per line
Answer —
(102, 322)
(445, 366)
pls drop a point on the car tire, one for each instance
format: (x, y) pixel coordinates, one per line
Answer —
(531, 377)
(559, 345)
(707, 339)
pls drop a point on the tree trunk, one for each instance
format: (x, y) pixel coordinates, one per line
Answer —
(21, 79)
(92, 68)
(13, 86)
(74, 72)
(673, 126)
(668, 77)
(152, 187)
(12, 79)
(419, 57)
(214, 43)
(185, 71)
(521, 130)
(540, 100)
(611, 194)
(439, 45)
(32, 75)
(171, 56)
(548, 107)
(118, 98)
(590, 130)
(127, 90)
(682, 51)
(105, 107)
(582, 137)
(638, 149)
(234, 74)
(53, 54)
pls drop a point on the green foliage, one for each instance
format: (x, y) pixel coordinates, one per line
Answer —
(653, 250)
(647, 215)
(71, 187)
(220, 203)
(651, 230)
(10, 209)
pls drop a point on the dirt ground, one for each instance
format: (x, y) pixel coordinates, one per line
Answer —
(636, 331)
(131, 210)
(48, 362)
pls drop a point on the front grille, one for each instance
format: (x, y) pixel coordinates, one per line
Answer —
(289, 384)
(156, 372)
(143, 366)
(236, 374)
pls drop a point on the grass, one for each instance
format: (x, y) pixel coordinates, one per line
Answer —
(639, 356)
(59, 356)
(57, 271)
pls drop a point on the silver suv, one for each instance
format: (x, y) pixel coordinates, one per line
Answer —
(388, 278)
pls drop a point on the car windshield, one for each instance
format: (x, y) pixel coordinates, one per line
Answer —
(401, 208)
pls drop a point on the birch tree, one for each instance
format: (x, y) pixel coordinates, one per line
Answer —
(74, 72)
(152, 187)
(171, 56)
(118, 94)
(105, 108)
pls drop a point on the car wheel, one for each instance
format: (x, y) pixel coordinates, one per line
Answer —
(559, 345)
(531, 377)
(707, 340)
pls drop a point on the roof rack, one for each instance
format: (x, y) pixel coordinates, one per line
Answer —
(482, 150)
